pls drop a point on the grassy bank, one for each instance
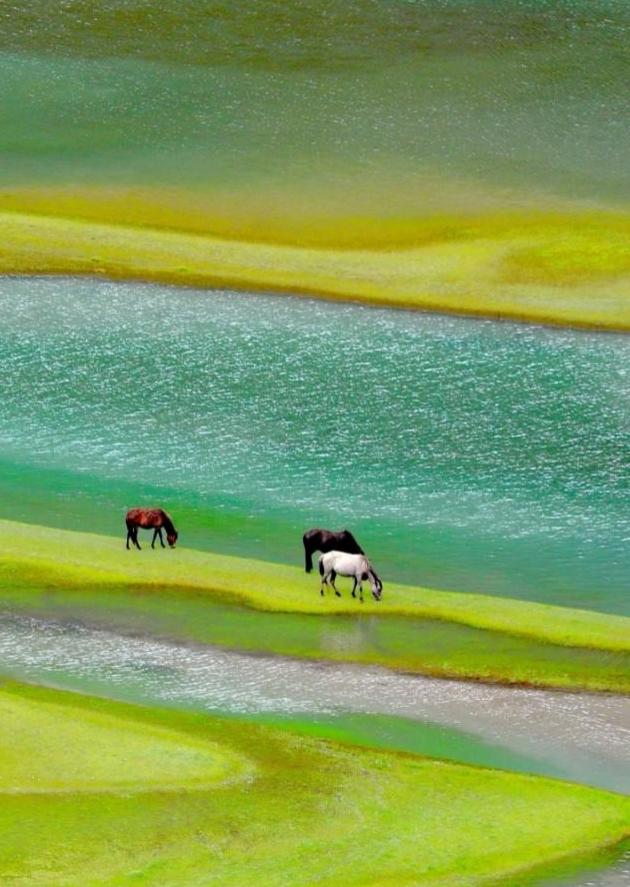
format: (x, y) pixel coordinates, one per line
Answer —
(243, 804)
(258, 606)
(553, 268)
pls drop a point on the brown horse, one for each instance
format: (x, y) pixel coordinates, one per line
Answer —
(150, 519)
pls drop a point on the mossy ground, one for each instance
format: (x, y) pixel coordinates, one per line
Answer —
(564, 269)
(260, 606)
(286, 810)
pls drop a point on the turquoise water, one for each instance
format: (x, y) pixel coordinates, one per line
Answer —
(465, 454)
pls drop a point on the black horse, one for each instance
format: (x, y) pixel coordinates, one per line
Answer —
(328, 540)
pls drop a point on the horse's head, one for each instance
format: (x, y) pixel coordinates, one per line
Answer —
(171, 538)
(376, 585)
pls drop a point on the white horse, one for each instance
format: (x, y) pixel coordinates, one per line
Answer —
(334, 563)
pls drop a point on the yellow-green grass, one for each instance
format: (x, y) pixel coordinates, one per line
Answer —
(91, 750)
(257, 805)
(571, 268)
(190, 594)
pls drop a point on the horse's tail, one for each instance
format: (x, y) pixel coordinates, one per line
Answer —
(308, 554)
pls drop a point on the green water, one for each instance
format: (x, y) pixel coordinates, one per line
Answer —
(404, 734)
(609, 868)
(387, 106)
(464, 454)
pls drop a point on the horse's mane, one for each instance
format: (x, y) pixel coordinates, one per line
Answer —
(168, 523)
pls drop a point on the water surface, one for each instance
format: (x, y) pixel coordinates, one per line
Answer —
(464, 454)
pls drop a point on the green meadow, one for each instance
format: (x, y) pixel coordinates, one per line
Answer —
(258, 606)
(116, 795)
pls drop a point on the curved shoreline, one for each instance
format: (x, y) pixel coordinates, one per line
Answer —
(41, 555)
(513, 273)
(268, 608)
(293, 776)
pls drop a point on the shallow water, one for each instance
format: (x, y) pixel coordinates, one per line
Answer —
(597, 874)
(580, 737)
(465, 454)
(480, 457)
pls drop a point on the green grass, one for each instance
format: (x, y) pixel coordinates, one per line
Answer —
(92, 750)
(259, 606)
(256, 805)
(569, 269)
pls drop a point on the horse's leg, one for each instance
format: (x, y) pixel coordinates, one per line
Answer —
(354, 587)
(155, 532)
(308, 558)
(135, 538)
(161, 539)
(324, 582)
(333, 576)
(128, 537)
(361, 590)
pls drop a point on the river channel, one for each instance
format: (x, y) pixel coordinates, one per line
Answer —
(580, 737)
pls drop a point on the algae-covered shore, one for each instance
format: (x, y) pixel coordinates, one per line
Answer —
(567, 270)
(258, 606)
(116, 794)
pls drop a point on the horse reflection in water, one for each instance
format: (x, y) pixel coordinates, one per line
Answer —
(150, 519)
(357, 566)
(328, 540)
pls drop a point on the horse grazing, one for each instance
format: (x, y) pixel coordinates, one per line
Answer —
(328, 540)
(334, 563)
(150, 519)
